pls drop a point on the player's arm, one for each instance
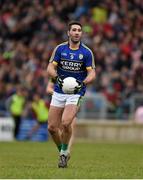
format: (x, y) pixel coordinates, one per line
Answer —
(52, 69)
(90, 67)
(89, 79)
(52, 72)
(90, 76)
(50, 87)
(53, 62)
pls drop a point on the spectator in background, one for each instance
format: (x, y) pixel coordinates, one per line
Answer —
(41, 111)
(16, 104)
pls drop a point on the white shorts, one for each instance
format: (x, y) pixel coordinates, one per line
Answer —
(61, 100)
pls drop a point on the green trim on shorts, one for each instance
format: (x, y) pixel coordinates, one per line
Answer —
(79, 100)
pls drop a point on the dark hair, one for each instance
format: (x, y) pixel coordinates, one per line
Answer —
(74, 23)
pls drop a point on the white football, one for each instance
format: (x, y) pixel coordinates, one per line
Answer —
(69, 85)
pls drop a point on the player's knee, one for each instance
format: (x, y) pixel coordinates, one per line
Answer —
(66, 125)
(52, 129)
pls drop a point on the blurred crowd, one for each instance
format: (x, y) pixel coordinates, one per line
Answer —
(30, 30)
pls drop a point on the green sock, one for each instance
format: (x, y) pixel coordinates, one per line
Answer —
(64, 147)
(59, 147)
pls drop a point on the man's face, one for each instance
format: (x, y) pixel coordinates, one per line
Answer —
(75, 33)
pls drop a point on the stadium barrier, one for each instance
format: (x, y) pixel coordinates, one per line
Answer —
(103, 130)
(6, 129)
(40, 135)
(95, 106)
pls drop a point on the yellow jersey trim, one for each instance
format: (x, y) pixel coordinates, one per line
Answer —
(88, 68)
(74, 48)
(54, 62)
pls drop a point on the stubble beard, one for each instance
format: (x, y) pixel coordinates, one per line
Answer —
(74, 41)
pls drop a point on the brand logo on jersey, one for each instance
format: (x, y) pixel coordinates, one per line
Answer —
(71, 65)
(80, 56)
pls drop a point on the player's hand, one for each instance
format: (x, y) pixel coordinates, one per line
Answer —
(59, 81)
(79, 87)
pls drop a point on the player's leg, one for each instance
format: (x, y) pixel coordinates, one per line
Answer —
(73, 126)
(67, 118)
(72, 135)
(54, 120)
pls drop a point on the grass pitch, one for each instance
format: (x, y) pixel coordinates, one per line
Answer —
(33, 160)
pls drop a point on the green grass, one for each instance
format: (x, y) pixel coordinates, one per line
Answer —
(32, 160)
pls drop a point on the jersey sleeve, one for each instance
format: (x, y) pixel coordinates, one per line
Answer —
(56, 55)
(90, 62)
